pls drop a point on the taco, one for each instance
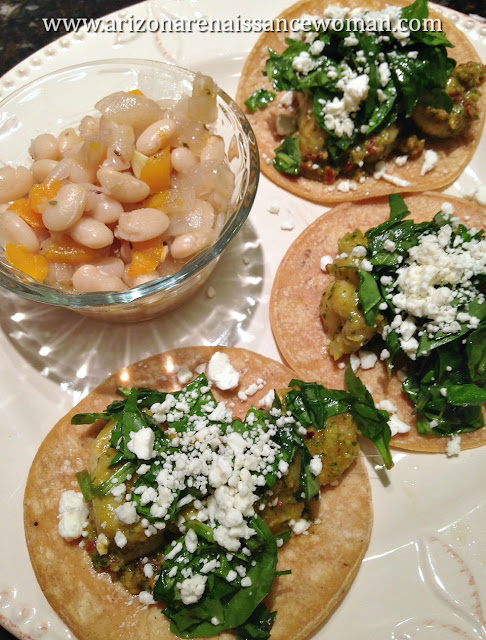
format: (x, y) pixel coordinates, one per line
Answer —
(210, 577)
(424, 358)
(343, 114)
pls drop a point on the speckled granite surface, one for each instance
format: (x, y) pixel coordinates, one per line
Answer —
(22, 31)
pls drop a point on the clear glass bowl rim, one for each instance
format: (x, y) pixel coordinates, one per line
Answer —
(50, 295)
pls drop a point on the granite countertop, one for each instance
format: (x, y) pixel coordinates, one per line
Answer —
(23, 31)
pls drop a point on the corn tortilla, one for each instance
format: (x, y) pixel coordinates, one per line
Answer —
(297, 291)
(454, 154)
(323, 563)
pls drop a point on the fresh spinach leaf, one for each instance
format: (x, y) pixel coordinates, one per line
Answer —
(259, 99)
(287, 156)
(372, 422)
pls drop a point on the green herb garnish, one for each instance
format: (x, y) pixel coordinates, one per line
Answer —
(259, 99)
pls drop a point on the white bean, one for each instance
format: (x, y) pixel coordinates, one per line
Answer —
(79, 172)
(42, 168)
(123, 186)
(14, 183)
(14, 230)
(141, 224)
(142, 279)
(44, 146)
(66, 140)
(91, 233)
(103, 208)
(188, 244)
(89, 127)
(110, 266)
(66, 209)
(89, 279)
(182, 159)
(156, 136)
(213, 149)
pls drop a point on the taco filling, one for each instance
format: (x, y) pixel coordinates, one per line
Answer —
(415, 293)
(188, 505)
(356, 88)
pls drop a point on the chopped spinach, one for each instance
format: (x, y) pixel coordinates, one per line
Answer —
(418, 72)
(287, 156)
(259, 99)
(223, 600)
(445, 380)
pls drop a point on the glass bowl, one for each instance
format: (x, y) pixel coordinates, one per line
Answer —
(60, 100)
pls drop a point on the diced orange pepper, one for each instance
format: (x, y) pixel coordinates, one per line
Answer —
(157, 200)
(146, 256)
(32, 264)
(136, 92)
(42, 193)
(69, 251)
(23, 209)
(156, 171)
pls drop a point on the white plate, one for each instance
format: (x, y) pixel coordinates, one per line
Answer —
(423, 576)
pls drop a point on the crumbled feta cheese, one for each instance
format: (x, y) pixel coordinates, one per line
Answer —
(192, 589)
(315, 465)
(367, 359)
(389, 245)
(299, 526)
(397, 426)
(366, 265)
(141, 443)
(303, 63)
(246, 582)
(222, 373)
(316, 47)
(267, 400)
(387, 405)
(430, 161)
(351, 40)
(385, 354)
(401, 160)
(354, 361)
(447, 208)
(384, 73)
(148, 570)
(184, 375)
(127, 513)
(191, 541)
(453, 447)
(73, 513)
(287, 224)
(120, 539)
(273, 208)
(343, 186)
(325, 262)
(145, 597)
(337, 112)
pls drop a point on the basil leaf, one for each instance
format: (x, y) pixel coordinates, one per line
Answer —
(287, 156)
(259, 99)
